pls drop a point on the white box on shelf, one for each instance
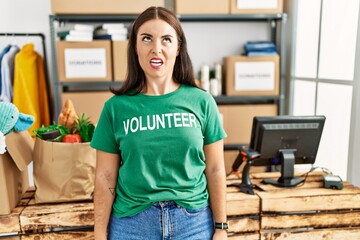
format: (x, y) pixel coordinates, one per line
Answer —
(254, 76)
(249, 76)
(256, 6)
(84, 61)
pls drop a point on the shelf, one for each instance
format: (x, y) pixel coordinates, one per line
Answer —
(228, 100)
(229, 17)
(229, 147)
(93, 18)
(88, 86)
(84, 84)
(220, 100)
(183, 18)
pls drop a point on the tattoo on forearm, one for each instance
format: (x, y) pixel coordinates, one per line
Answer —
(109, 179)
(112, 191)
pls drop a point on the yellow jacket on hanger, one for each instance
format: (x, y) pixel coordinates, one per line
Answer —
(30, 92)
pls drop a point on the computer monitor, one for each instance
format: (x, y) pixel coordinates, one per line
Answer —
(286, 141)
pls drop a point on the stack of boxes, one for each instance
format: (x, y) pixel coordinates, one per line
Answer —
(87, 62)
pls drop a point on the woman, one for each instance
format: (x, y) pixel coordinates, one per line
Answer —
(160, 168)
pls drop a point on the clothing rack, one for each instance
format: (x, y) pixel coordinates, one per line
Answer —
(42, 36)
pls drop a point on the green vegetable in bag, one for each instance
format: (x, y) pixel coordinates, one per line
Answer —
(84, 127)
(63, 131)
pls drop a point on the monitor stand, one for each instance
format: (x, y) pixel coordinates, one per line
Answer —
(287, 178)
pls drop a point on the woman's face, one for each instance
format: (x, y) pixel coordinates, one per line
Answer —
(157, 47)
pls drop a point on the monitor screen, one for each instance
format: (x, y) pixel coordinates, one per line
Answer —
(286, 141)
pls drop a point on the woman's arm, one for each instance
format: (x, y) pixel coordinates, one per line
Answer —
(107, 166)
(216, 177)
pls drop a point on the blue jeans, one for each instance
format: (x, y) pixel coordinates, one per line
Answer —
(162, 221)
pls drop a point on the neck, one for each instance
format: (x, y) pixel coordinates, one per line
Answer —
(160, 88)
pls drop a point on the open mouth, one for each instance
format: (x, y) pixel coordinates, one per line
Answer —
(156, 62)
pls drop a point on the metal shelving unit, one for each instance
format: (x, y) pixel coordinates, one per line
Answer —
(277, 22)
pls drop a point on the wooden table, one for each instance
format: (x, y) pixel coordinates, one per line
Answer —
(308, 212)
(28, 220)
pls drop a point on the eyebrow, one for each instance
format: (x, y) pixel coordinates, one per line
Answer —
(164, 36)
(168, 36)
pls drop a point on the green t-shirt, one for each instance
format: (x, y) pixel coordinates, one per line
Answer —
(160, 139)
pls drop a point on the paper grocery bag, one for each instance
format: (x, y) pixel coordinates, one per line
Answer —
(63, 171)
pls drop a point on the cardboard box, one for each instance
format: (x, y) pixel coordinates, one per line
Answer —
(14, 179)
(250, 76)
(202, 7)
(256, 6)
(84, 61)
(102, 6)
(119, 51)
(237, 120)
(90, 103)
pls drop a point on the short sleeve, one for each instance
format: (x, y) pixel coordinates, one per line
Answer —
(104, 137)
(213, 128)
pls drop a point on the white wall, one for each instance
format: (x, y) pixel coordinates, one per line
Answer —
(25, 16)
(209, 42)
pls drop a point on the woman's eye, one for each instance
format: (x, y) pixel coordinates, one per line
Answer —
(167, 40)
(146, 39)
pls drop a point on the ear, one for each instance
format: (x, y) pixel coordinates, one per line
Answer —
(24, 122)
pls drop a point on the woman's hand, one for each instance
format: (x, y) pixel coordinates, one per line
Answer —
(220, 234)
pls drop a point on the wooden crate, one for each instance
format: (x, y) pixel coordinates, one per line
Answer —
(10, 224)
(243, 212)
(17, 237)
(320, 234)
(48, 221)
(67, 235)
(59, 217)
(309, 211)
(244, 236)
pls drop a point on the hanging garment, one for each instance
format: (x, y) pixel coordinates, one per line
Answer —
(30, 92)
(2, 53)
(7, 74)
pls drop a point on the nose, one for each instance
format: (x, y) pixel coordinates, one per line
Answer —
(157, 48)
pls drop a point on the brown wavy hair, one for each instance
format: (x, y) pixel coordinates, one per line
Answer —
(183, 72)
